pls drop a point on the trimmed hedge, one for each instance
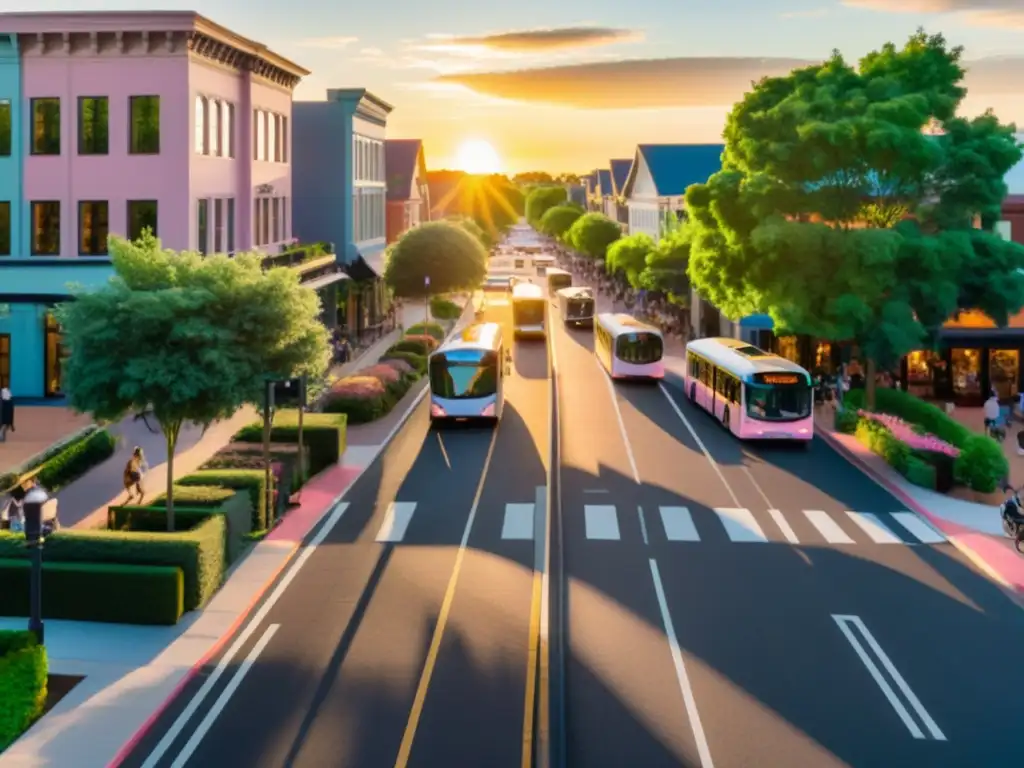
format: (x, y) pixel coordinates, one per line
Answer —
(982, 465)
(426, 329)
(443, 309)
(252, 481)
(881, 441)
(107, 592)
(920, 472)
(199, 552)
(23, 677)
(421, 345)
(361, 409)
(9, 479)
(846, 421)
(417, 361)
(70, 464)
(323, 434)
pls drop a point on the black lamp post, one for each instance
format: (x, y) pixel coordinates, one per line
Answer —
(33, 504)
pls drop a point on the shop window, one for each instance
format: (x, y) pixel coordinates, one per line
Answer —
(967, 372)
(823, 357)
(924, 367)
(1004, 371)
(789, 348)
(54, 361)
(5, 359)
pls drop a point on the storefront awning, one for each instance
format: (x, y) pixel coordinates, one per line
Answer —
(1011, 338)
(757, 323)
(322, 282)
(368, 264)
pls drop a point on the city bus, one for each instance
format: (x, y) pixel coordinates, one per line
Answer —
(557, 280)
(576, 306)
(752, 393)
(528, 310)
(466, 375)
(541, 264)
(629, 348)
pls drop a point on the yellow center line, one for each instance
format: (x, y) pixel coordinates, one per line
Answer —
(531, 673)
(416, 711)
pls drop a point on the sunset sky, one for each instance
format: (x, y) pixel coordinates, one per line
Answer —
(565, 86)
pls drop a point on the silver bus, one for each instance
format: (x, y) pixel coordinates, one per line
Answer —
(529, 308)
(577, 306)
(557, 280)
(629, 348)
(466, 376)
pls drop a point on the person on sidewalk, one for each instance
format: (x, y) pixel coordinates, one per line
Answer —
(6, 413)
(134, 471)
(992, 413)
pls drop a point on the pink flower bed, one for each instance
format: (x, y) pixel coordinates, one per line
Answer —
(905, 433)
(358, 387)
(385, 373)
(399, 365)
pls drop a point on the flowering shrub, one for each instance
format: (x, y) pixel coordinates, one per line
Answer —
(385, 373)
(399, 365)
(421, 344)
(357, 387)
(905, 433)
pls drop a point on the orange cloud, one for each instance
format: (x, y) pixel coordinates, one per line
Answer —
(539, 40)
(979, 12)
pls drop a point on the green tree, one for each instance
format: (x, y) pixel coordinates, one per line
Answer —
(533, 177)
(445, 252)
(556, 221)
(540, 199)
(473, 228)
(838, 214)
(628, 255)
(194, 337)
(592, 234)
(666, 267)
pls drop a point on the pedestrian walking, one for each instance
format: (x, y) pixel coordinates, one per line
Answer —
(6, 413)
(134, 471)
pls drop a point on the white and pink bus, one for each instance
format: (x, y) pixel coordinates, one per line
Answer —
(628, 348)
(754, 394)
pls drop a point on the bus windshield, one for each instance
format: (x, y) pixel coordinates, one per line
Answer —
(788, 402)
(639, 348)
(464, 374)
(528, 312)
(580, 308)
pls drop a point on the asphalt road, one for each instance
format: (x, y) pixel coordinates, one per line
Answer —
(356, 675)
(724, 608)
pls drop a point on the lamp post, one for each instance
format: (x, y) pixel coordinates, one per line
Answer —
(33, 504)
(426, 300)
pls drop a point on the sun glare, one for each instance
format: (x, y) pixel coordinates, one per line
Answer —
(478, 157)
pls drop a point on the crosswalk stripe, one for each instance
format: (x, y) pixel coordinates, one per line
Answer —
(518, 525)
(921, 530)
(827, 527)
(602, 522)
(874, 528)
(396, 521)
(784, 526)
(740, 525)
(678, 524)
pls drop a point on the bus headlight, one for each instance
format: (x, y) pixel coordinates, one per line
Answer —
(488, 411)
(436, 411)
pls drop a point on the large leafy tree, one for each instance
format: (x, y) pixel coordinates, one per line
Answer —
(666, 266)
(193, 337)
(540, 199)
(443, 251)
(471, 226)
(557, 221)
(847, 202)
(628, 255)
(592, 234)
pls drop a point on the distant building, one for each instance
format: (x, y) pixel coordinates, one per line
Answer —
(113, 122)
(408, 192)
(577, 194)
(615, 204)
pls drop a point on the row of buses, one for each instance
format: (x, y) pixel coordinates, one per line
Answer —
(753, 394)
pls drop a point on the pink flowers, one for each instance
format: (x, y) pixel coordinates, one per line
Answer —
(358, 388)
(399, 365)
(905, 433)
(386, 373)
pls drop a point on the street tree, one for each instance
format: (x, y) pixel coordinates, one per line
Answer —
(540, 199)
(592, 234)
(556, 221)
(470, 225)
(628, 255)
(442, 251)
(533, 177)
(192, 337)
(841, 216)
(667, 264)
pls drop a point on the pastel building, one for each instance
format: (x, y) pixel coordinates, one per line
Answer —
(341, 192)
(117, 122)
(408, 193)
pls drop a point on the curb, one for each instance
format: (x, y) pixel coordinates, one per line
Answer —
(190, 675)
(979, 562)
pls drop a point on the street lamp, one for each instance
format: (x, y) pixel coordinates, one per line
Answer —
(33, 504)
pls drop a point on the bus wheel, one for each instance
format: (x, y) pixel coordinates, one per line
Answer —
(693, 393)
(725, 417)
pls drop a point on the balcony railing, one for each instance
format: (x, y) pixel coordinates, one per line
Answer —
(312, 261)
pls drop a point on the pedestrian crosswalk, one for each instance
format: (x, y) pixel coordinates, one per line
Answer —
(678, 524)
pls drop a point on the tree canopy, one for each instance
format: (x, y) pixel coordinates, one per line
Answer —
(444, 251)
(592, 234)
(628, 255)
(842, 216)
(473, 228)
(194, 337)
(540, 199)
(667, 265)
(557, 221)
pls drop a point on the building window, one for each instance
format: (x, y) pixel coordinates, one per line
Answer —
(227, 129)
(142, 215)
(5, 359)
(5, 128)
(54, 359)
(261, 135)
(218, 226)
(357, 203)
(273, 148)
(275, 221)
(202, 225)
(92, 227)
(284, 218)
(93, 125)
(265, 221)
(256, 222)
(144, 128)
(46, 228)
(284, 139)
(200, 125)
(45, 126)
(216, 143)
(5, 228)
(231, 225)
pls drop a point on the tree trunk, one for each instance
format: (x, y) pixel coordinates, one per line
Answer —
(171, 435)
(869, 384)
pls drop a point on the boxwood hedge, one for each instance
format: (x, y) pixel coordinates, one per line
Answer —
(323, 434)
(23, 677)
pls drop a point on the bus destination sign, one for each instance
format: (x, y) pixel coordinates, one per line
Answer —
(780, 378)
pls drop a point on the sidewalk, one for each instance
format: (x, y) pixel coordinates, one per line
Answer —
(38, 427)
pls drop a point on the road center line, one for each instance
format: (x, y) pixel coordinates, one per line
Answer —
(622, 424)
(848, 625)
(689, 700)
(536, 641)
(416, 711)
(444, 453)
(643, 524)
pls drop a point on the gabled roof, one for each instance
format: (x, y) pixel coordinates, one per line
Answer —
(674, 167)
(620, 172)
(590, 181)
(604, 180)
(402, 159)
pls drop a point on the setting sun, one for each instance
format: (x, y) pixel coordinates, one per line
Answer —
(478, 157)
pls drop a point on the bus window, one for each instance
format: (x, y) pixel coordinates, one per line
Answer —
(639, 348)
(558, 282)
(528, 312)
(464, 374)
(778, 403)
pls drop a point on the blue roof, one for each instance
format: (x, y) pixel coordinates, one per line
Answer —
(620, 172)
(675, 167)
(604, 179)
